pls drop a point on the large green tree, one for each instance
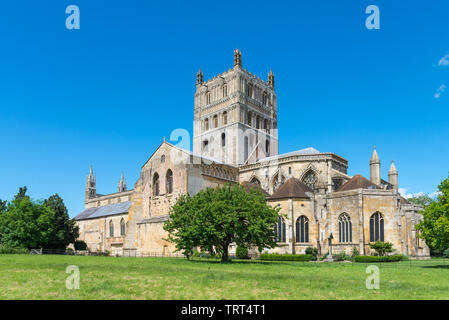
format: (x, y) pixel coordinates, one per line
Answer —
(215, 218)
(26, 223)
(65, 229)
(434, 228)
(422, 200)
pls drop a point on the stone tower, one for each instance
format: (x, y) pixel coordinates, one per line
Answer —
(122, 184)
(235, 119)
(91, 191)
(374, 166)
(393, 176)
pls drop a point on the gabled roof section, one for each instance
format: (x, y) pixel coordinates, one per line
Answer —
(250, 185)
(357, 182)
(104, 211)
(186, 152)
(292, 188)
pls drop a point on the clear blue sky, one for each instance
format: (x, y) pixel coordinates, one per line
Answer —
(108, 93)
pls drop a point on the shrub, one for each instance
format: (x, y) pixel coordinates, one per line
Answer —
(341, 256)
(446, 253)
(313, 253)
(80, 245)
(381, 248)
(373, 259)
(355, 252)
(285, 257)
(241, 252)
(12, 250)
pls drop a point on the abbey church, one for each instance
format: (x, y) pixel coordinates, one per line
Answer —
(235, 140)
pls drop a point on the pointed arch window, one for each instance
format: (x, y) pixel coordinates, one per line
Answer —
(206, 124)
(302, 229)
(223, 139)
(169, 181)
(280, 230)
(376, 227)
(255, 181)
(111, 228)
(225, 118)
(215, 121)
(225, 90)
(310, 179)
(156, 184)
(344, 228)
(122, 227)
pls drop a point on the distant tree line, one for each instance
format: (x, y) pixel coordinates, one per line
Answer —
(28, 223)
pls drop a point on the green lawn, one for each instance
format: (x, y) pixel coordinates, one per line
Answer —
(44, 277)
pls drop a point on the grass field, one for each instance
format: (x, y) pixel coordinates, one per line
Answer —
(44, 277)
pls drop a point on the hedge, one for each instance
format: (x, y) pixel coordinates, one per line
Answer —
(10, 250)
(370, 259)
(285, 257)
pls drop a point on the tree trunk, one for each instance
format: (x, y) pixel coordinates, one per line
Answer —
(225, 256)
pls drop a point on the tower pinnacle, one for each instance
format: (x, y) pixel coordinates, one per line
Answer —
(237, 58)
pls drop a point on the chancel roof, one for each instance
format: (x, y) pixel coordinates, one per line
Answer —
(104, 211)
(357, 182)
(292, 188)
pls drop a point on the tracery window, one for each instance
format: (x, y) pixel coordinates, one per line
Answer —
(302, 229)
(344, 228)
(225, 118)
(311, 180)
(376, 227)
(280, 230)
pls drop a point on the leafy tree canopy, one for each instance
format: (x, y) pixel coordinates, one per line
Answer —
(215, 218)
(434, 228)
(26, 223)
(65, 229)
(422, 200)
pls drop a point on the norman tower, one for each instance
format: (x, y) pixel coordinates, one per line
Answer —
(235, 118)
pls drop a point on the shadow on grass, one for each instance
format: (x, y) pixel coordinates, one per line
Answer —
(237, 262)
(440, 266)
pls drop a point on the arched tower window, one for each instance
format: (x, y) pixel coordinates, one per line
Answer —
(265, 98)
(156, 184)
(223, 139)
(206, 124)
(344, 228)
(163, 158)
(215, 121)
(376, 227)
(225, 118)
(280, 230)
(310, 179)
(207, 97)
(250, 90)
(225, 90)
(249, 117)
(245, 149)
(302, 229)
(111, 228)
(122, 227)
(258, 122)
(169, 181)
